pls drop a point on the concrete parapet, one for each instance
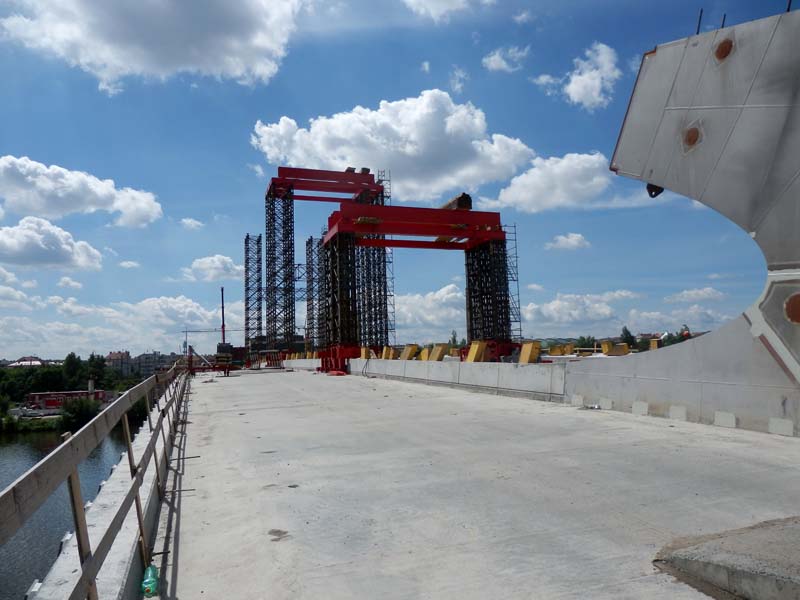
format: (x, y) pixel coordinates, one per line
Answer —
(539, 381)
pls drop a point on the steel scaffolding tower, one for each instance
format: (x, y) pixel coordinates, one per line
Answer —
(342, 310)
(488, 311)
(385, 179)
(279, 294)
(513, 282)
(253, 288)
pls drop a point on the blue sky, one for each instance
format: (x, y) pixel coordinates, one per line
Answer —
(188, 112)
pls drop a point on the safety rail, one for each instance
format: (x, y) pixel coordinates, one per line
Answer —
(20, 500)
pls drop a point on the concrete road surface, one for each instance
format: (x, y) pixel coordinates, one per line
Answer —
(309, 486)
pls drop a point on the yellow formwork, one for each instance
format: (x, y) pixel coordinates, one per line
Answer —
(618, 350)
(477, 351)
(606, 346)
(556, 350)
(438, 352)
(424, 354)
(388, 353)
(364, 352)
(530, 352)
(409, 352)
(569, 349)
(655, 344)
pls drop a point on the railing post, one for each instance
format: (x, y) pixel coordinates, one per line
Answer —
(79, 516)
(134, 471)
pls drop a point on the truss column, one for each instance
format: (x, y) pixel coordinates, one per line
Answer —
(488, 310)
(253, 288)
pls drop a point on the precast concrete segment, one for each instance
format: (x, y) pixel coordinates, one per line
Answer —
(311, 486)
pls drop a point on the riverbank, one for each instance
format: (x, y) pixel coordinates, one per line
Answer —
(30, 425)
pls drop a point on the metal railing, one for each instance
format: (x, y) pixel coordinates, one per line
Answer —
(20, 500)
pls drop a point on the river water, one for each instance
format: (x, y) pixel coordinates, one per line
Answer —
(33, 549)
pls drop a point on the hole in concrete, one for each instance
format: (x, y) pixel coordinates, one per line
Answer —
(792, 308)
(691, 136)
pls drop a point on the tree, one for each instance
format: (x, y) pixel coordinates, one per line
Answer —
(96, 366)
(72, 367)
(453, 338)
(77, 412)
(628, 337)
(5, 404)
(586, 341)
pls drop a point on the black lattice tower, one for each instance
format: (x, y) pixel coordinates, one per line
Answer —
(385, 179)
(322, 297)
(512, 255)
(253, 288)
(279, 290)
(312, 295)
(488, 310)
(342, 307)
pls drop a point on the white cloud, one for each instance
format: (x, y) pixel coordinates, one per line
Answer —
(7, 276)
(129, 264)
(696, 317)
(591, 83)
(425, 67)
(440, 10)
(432, 144)
(571, 241)
(17, 300)
(576, 308)
(213, 268)
(36, 242)
(507, 60)
(431, 316)
(573, 181)
(69, 282)
(189, 223)
(696, 295)
(257, 169)
(243, 41)
(29, 284)
(535, 287)
(32, 188)
(523, 17)
(110, 250)
(458, 77)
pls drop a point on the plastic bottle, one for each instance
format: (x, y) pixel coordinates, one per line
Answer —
(150, 582)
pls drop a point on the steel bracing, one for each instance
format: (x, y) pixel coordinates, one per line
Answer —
(512, 256)
(342, 308)
(488, 310)
(253, 288)
(279, 290)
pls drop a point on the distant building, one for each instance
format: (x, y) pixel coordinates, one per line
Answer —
(120, 361)
(27, 361)
(150, 362)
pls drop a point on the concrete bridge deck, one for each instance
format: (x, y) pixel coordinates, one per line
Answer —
(308, 486)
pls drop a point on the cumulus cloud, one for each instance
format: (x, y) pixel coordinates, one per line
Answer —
(523, 17)
(129, 264)
(577, 308)
(573, 181)
(32, 188)
(69, 282)
(425, 67)
(431, 316)
(212, 268)
(7, 276)
(432, 144)
(17, 300)
(458, 78)
(36, 242)
(243, 41)
(507, 60)
(535, 287)
(571, 241)
(440, 10)
(591, 82)
(258, 170)
(697, 317)
(696, 295)
(189, 223)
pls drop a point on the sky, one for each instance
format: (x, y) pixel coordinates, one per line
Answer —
(137, 139)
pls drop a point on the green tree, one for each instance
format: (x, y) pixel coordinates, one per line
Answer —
(77, 412)
(628, 337)
(96, 367)
(586, 341)
(453, 338)
(5, 404)
(72, 367)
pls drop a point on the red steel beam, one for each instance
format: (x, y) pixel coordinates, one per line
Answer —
(378, 243)
(418, 229)
(322, 175)
(321, 198)
(415, 214)
(324, 186)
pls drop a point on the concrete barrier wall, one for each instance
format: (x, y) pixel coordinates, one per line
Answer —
(302, 364)
(540, 381)
(728, 372)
